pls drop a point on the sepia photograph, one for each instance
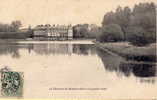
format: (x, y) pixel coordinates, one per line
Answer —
(78, 49)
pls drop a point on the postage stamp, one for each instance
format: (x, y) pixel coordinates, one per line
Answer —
(11, 84)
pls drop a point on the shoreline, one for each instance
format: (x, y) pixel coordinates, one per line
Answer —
(130, 52)
(24, 41)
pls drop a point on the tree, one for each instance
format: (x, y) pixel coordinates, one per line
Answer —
(109, 18)
(143, 24)
(143, 16)
(80, 31)
(111, 33)
(16, 25)
(93, 31)
(120, 17)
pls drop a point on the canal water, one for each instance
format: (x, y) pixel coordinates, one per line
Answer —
(51, 69)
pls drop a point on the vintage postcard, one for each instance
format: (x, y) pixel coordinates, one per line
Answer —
(78, 49)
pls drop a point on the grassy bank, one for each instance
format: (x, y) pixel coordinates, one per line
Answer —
(130, 52)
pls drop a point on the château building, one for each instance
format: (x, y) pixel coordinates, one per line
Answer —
(55, 32)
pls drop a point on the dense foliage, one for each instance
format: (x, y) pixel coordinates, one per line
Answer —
(111, 33)
(85, 31)
(138, 25)
(12, 31)
(13, 27)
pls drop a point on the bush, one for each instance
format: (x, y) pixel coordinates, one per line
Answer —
(139, 37)
(111, 33)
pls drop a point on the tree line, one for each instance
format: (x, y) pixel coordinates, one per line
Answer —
(13, 27)
(137, 25)
(12, 31)
(85, 31)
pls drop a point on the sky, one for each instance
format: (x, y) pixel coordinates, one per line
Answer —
(34, 12)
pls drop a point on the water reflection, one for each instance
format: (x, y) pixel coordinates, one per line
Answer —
(47, 49)
(111, 62)
(139, 69)
(82, 49)
(122, 66)
(13, 50)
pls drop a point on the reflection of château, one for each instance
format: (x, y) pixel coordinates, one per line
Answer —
(47, 49)
(55, 32)
(65, 49)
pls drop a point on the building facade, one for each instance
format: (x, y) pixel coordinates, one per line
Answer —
(55, 32)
